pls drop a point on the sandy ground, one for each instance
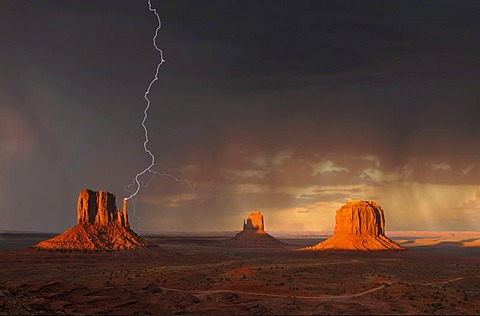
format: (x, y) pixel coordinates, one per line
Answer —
(188, 275)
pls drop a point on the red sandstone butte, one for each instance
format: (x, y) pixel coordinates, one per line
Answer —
(254, 235)
(359, 225)
(101, 226)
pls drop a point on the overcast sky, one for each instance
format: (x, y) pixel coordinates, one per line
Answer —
(289, 107)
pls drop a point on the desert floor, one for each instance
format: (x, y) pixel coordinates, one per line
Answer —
(191, 275)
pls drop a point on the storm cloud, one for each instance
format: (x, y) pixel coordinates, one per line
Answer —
(289, 107)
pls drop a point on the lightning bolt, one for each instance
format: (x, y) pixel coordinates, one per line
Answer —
(137, 183)
(136, 180)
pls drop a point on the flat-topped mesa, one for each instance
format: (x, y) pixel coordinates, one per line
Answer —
(254, 222)
(99, 208)
(101, 226)
(360, 217)
(359, 225)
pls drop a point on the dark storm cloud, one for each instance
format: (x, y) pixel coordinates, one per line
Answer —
(280, 96)
(284, 45)
(387, 77)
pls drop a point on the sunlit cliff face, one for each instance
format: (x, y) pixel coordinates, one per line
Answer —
(254, 223)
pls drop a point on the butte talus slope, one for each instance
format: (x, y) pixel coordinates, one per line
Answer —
(359, 225)
(253, 234)
(101, 226)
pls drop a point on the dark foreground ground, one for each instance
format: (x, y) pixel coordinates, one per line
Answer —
(192, 276)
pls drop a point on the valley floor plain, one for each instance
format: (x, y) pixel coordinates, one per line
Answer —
(193, 275)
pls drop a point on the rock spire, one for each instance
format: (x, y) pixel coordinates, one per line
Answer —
(100, 226)
(253, 234)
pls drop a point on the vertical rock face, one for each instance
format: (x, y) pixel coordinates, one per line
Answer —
(253, 234)
(359, 225)
(100, 226)
(360, 217)
(99, 208)
(254, 222)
